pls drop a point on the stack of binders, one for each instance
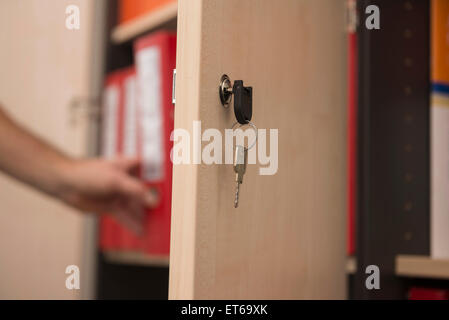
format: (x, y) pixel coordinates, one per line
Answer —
(137, 122)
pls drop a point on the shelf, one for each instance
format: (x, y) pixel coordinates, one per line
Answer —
(422, 267)
(164, 17)
(135, 258)
(351, 265)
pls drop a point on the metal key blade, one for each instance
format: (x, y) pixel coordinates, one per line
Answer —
(237, 191)
(240, 160)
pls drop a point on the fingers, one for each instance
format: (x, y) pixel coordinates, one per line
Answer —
(113, 189)
(130, 165)
(132, 186)
(125, 210)
(131, 218)
(135, 190)
(134, 198)
(108, 187)
(151, 198)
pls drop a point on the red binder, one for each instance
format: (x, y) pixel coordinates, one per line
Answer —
(111, 109)
(155, 57)
(128, 143)
(416, 293)
(352, 129)
(119, 137)
(138, 115)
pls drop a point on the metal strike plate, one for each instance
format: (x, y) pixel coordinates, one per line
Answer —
(173, 93)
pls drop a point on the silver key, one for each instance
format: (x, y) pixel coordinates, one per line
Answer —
(240, 160)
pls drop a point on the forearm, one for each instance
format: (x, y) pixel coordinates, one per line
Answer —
(95, 185)
(29, 159)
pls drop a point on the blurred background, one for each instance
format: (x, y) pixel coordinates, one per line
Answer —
(57, 59)
(44, 67)
(53, 80)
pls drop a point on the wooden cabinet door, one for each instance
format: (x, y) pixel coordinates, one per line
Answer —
(287, 237)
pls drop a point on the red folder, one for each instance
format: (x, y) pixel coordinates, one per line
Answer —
(416, 293)
(155, 57)
(128, 143)
(138, 115)
(119, 137)
(109, 228)
(352, 133)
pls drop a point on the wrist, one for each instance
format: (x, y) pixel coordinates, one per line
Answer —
(65, 177)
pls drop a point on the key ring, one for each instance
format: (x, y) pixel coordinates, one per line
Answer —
(253, 126)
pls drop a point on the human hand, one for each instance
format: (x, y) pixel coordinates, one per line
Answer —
(108, 186)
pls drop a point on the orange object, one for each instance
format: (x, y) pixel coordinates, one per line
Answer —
(132, 9)
(440, 41)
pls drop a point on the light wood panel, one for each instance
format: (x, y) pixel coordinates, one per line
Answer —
(287, 238)
(43, 67)
(96, 63)
(422, 267)
(185, 177)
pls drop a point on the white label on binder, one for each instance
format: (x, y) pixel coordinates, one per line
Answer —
(130, 127)
(150, 103)
(110, 121)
